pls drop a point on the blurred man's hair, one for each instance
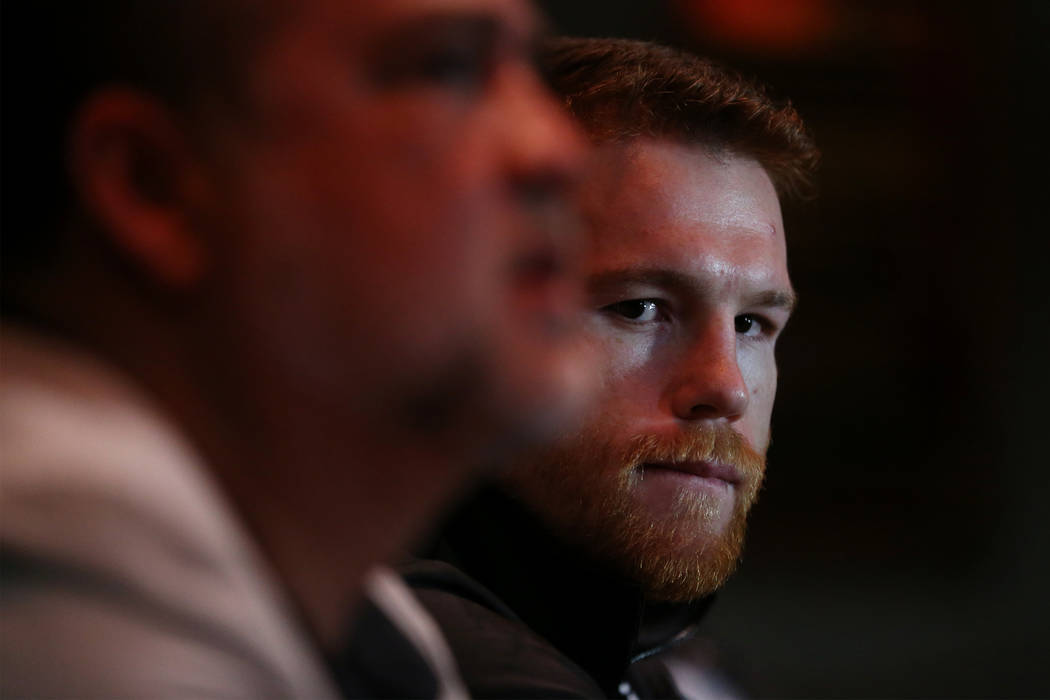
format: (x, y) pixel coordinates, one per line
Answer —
(621, 89)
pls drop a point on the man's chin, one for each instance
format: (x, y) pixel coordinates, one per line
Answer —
(684, 508)
(682, 577)
(549, 379)
(679, 562)
(677, 535)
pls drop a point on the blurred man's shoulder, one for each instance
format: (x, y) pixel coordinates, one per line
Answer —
(117, 545)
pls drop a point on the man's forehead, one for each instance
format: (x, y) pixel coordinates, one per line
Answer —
(672, 190)
(663, 210)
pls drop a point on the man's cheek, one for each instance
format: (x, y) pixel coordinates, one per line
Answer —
(630, 363)
(759, 418)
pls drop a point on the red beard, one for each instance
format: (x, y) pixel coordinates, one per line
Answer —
(589, 488)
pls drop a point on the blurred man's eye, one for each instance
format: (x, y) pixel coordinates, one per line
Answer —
(443, 52)
(456, 66)
(453, 66)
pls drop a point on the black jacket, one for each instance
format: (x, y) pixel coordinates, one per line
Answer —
(528, 616)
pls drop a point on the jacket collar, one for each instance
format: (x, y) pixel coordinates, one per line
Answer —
(592, 615)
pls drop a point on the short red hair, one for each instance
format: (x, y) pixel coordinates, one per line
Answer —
(620, 89)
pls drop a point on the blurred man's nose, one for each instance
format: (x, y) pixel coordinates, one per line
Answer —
(707, 382)
(545, 149)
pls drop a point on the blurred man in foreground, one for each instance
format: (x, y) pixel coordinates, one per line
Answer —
(602, 551)
(277, 277)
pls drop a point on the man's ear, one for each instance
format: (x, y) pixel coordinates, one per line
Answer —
(138, 179)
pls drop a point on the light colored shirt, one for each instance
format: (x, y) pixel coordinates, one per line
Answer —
(125, 572)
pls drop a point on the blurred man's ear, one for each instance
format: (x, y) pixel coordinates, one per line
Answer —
(137, 178)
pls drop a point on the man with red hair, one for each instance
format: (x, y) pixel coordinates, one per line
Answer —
(590, 559)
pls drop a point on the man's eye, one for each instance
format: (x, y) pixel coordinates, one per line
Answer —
(456, 63)
(640, 310)
(460, 67)
(746, 324)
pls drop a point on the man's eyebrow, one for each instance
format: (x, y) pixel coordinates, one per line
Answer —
(655, 277)
(683, 283)
(775, 299)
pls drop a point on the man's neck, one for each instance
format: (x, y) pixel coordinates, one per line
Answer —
(594, 616)
(326, 494)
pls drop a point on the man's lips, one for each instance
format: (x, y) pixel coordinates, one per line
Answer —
(706, 470)
(546, 282)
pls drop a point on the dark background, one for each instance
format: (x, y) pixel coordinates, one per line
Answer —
(900, 548)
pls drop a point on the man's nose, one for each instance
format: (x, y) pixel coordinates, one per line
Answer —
(545, 149)
(708, 382)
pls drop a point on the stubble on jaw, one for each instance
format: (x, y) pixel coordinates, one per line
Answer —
(587, 489)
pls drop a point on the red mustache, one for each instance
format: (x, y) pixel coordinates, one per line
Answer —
(718, 445)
